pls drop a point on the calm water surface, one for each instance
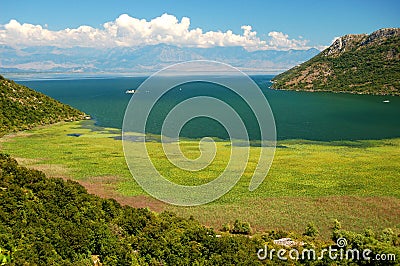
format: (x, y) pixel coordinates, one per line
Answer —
(305, 115)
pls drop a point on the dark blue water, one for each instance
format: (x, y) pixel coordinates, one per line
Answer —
(305, 115)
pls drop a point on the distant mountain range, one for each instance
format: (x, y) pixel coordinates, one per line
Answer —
(143, 59)
(355, 63)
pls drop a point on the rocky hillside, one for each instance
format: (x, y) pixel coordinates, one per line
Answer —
(354, 63)
(23, 108)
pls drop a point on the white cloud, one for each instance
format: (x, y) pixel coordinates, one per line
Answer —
(279, 40)
(129, 31)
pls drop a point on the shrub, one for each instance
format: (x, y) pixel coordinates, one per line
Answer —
(226, 227)
(241, 228)
(311, 230)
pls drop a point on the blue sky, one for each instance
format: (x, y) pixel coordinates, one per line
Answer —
(316, 21)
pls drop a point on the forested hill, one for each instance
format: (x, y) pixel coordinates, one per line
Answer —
(355, 63)
(23, 108)
(49, 221)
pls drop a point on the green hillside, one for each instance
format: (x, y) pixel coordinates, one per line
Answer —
(23, 108)
(49, 221)
(355, 63)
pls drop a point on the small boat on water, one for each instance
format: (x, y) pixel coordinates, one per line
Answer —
(130, 91)
(386, 101)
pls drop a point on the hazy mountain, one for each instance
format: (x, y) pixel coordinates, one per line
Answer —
(143, 59)
(356, 63)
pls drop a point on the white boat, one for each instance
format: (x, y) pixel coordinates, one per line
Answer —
(386, 101)
(130, 91)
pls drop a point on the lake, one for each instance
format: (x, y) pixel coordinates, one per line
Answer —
(298, 115)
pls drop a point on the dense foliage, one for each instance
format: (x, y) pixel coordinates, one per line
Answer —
(54, 222)
(365, 64)
(23, 108)
(48, 221)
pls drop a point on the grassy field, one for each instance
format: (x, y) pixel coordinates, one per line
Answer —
(356, 182)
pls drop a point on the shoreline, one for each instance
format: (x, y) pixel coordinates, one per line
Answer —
(330, 91)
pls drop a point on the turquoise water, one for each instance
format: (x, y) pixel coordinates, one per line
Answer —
(305, 115)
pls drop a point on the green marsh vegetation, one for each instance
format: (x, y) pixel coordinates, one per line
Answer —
(49, 221)
(355, 182)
